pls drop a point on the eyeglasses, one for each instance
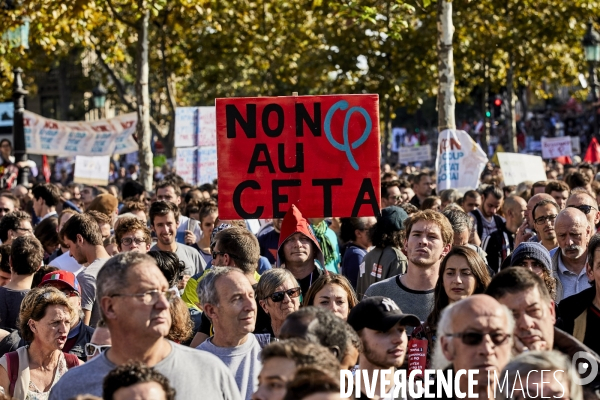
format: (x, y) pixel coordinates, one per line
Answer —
(475, 338)
(396, 198)
(128, 241)
(542, 220)
(584, 208)
(151, 297)
(5, 210)
(215, 254)
(92, 349)
(278, 297)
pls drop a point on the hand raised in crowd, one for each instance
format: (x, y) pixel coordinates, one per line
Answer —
(524, 233)
(190, 238)
(184, 280)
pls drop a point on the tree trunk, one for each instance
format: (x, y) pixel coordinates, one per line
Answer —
(446, 99)
(144, 132)
(387, 130)
(512, 105)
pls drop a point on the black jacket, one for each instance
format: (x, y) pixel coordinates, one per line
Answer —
(572, 307)
(498, 246)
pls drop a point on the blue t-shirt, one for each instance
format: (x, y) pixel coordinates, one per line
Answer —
(268, 240)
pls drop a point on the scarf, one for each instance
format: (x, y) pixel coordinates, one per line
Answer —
(326, 245)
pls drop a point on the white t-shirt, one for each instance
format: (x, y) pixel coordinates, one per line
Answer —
(66, 263)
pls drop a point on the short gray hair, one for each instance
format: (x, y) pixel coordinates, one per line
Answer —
(206, 289)
(450, 195)
(112, 277)
(271, 280)
(542, 360)
(444, 328)
(459, 219)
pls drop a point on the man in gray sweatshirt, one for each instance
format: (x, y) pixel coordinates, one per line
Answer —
(227, 298)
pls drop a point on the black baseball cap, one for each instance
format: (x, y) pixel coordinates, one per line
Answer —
(380, 314)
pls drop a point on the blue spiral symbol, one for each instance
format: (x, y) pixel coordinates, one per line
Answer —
(347, 146)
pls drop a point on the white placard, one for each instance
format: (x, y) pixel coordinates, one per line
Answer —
(517, 168)
(92, 170)
(185, 165)
(207, 164)
(556, 147)
(414, 154)
(81, 138)
(460, 161)
(397, 138)
(186, 126)
(575, 145)
(207, 126)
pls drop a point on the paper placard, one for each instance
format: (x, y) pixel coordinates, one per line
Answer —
(207, 164)
(517, 168)
(556, 147)
(186, 126)
(414, 154)
(185, 165)
(92, 170)
(460, 161)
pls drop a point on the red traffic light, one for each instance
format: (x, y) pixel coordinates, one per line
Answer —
(498, 102)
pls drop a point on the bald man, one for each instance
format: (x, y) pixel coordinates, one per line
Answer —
(525, 232)
(573, 233)
(475, 333)
(500, 243)
(586, 203)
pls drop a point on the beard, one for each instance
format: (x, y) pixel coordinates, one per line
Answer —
(377, 359)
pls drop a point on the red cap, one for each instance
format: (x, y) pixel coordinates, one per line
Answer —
(65, 277)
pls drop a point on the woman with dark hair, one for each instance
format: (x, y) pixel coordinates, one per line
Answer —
(463, 273)
(208, 213)
(169, 264)
(46, 233)
(355, 234)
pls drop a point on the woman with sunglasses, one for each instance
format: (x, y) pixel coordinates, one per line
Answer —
(44, 322)
(463, 273)
(332, 292)
(100, 341)
(278, 294)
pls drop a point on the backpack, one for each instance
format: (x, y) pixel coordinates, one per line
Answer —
(12, 367)
(477, 215)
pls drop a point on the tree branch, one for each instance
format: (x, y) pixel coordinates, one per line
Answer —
(118, 84)
(118, 16)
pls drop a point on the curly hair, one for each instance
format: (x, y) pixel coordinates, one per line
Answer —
(34, 306)
(131, 374)
(182, 326)
(382, 238)
(303, 353)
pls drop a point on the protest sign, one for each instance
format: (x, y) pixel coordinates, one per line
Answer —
(207, 164)
(7, 114)
(460, 161)
(320, 153)
(185, 165)
(207, 126)
(186, 126)
(575, 145)
(517, 168)
(92, 170)
(397, 138)
(414, 154)
(556, 147)
(90, 138)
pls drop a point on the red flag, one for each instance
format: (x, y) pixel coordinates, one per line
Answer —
(592, 155)
(46, 168)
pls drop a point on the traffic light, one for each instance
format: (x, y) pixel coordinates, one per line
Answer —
(499, 109)
(488, 114)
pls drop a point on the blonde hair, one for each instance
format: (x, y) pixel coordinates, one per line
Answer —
(34, 305)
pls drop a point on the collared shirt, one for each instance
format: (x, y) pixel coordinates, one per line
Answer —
(50, 214)
(571, 282)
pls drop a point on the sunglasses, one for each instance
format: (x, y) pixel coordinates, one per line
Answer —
(584, 208)
(475, 338)
(278, 297)
(92, 349)
(5, 210)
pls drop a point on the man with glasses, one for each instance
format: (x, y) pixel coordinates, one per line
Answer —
(135, 300)
(227, 298)
(475, 334)
(525, 232)
(26, 255)
(80, 334)
(586, 203)
(544, 214)
(390, 193)
(573, 233)
(381, 326)
(499, 244)
(527, 297)
(132, 234)
(13, 225)
(100, 341)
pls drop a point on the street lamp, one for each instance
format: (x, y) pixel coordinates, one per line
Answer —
(591, 46)
(99, 97)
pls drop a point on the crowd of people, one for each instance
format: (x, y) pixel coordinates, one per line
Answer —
(119, 293)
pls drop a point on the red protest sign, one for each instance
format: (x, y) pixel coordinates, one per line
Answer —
(320, 153)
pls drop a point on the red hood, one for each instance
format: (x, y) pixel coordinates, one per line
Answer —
(294, 222)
